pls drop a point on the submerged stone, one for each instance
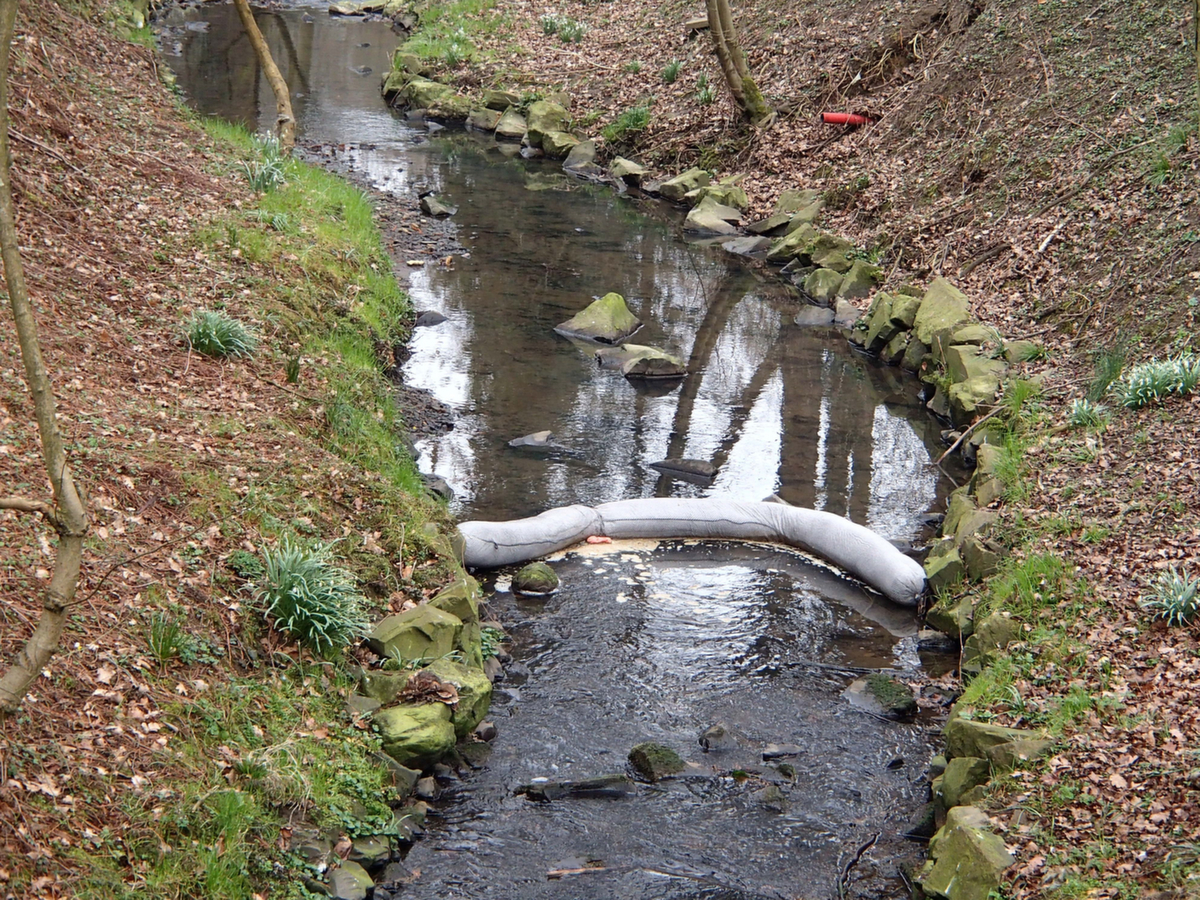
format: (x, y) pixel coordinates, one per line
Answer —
(653, 761)
(814, 317)
(603, 786)
(699, 471)
(882, 695)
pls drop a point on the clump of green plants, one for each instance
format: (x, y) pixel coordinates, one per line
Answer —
(265, 173)
(491, 638)
(313, 600)
(166, 638)
(1108, 365)
(245, 565)
(1174, 597)
(633, 66)
(1083, 413)
(1151, 382)
(215, 334)
(705, 92)
(627, 123)
(570, 31)
(670, 72)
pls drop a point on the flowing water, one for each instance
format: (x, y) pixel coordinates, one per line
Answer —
(645, 642)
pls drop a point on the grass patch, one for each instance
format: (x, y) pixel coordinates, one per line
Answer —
(628, 123)
(447, 30)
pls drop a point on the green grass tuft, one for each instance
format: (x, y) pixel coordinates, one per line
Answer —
(215, 334)
(310, 598)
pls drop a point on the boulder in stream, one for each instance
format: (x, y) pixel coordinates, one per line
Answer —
(654, 761)
(814, 317)
(536, 578)
(607, 320)
(474, 693)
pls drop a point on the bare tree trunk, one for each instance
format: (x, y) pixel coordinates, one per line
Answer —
(285, 122)
(1196, 42)
(67, 514)
(733, 63)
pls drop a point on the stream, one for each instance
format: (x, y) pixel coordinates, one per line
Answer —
(644, 641)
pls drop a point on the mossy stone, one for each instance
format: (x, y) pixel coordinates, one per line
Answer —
(943, 307)
(535, 578)
(823, 285)
(962, 774)
(415, 735)
(474, 693)
(968, 860)
(653, 761)
(460, 598)
(424, 632)
(953, 617)
(607, 320)
(676, 188)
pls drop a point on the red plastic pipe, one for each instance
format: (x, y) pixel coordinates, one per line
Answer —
(831, 118)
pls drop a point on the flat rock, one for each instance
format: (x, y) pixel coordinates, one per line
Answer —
(432, 206)
(511, 127)
(603, 786)
(746, 246)
(814, 317)
(697, 471)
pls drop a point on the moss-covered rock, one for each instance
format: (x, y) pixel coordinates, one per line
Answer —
(474, 693)
(953, 617)
(535, 578)
(460, 598)
(967, 361)
(791, 202)
(883, 695)
(500, 100)
(607, 320)
(823, 285)
(725, 194)
(967, 737)
(860, 280)
(558, 144)
(483, 119)
(942, 309)
(972, 398)
(967, 859)
(512, 126)
(653, 761)
(676, 188)
(943, 566)
(424, 632)
(543, 117)
(961, 775)
(383, 686)
(415, 735)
